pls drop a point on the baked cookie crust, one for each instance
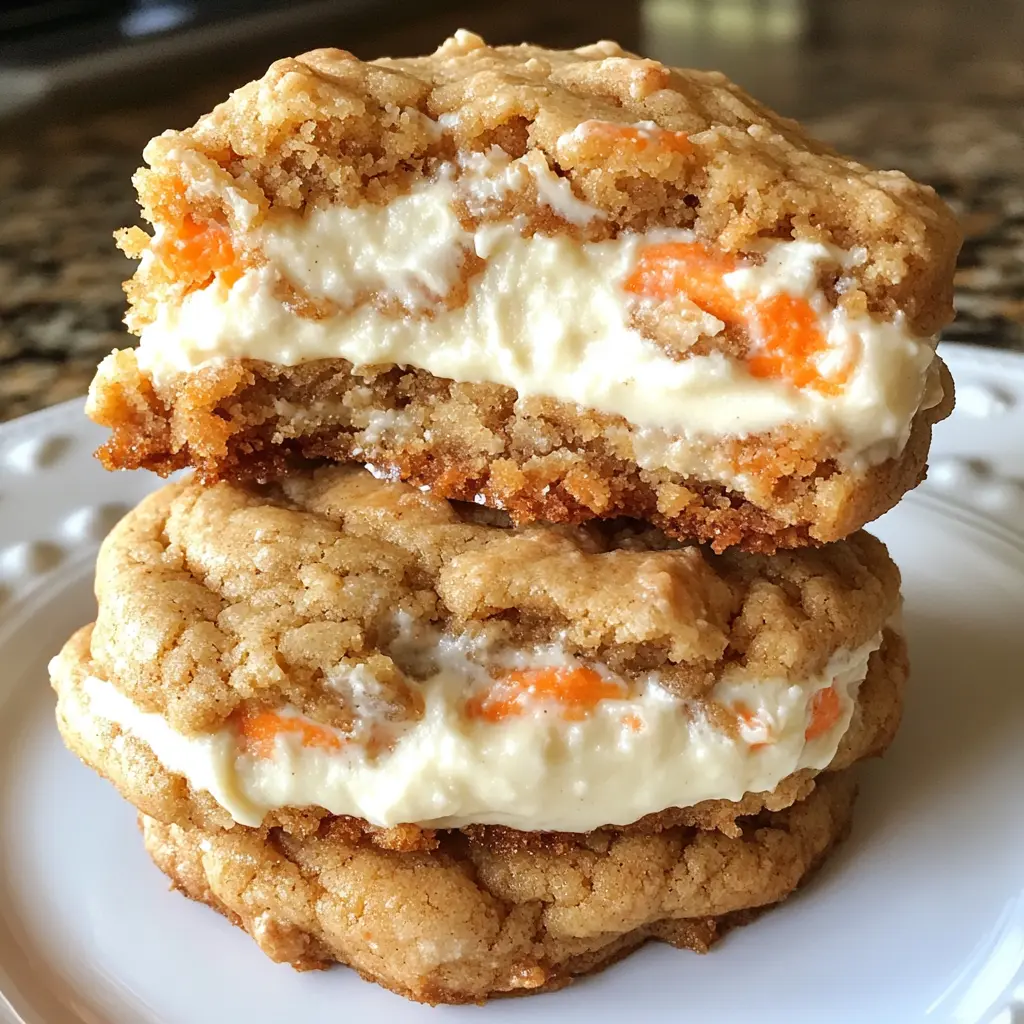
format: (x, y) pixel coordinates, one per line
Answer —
(214, 597)
(327, 128)
(595, 147)
(482, 919)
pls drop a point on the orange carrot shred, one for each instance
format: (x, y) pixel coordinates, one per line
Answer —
(825, 710)
(666, 269)
(194, 250)
(639, 138)
(751, 721)
(785, 328)
(578, 691)
(745, 715)
(260, 729)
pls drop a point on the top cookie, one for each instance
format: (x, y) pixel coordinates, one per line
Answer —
(574, 283)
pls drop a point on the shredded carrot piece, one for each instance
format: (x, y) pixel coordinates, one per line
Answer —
(578, 691)
(751, 720)
(638, 139)
(745, 715)
(194, 250)
(825, 711)
(666, 269)
(633, 722)
(785, 328)
(260, 729)
(791, 338)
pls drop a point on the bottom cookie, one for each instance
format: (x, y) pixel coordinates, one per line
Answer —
(488, 913)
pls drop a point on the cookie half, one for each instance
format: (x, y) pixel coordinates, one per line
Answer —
(335, 645)
(481, 917)
(567, 284)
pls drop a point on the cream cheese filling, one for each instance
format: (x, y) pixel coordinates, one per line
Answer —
(546, 315)
(538, 770)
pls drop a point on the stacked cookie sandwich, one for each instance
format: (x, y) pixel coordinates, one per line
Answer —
(515, 612)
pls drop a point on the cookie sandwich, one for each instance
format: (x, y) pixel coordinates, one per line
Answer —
(330, 691)
(566, 284)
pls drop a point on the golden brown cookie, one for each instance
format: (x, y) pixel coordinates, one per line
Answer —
(482, 918)
(566, 284)
(211, 597)
(335, 645)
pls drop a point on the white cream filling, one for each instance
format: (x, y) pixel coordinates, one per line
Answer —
(492, 176)
(547, 316)
(537, 771)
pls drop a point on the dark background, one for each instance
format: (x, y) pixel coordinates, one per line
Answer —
(934, 87)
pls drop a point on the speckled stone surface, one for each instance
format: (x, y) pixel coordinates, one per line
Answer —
(63, 191)
(949, 110)
(975, 158)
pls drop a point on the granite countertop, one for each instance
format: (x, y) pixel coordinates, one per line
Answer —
(937, 96)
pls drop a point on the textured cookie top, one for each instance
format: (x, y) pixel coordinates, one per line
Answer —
(211, 597)
(646, 144)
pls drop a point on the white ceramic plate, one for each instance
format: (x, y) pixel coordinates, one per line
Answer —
(919, 917)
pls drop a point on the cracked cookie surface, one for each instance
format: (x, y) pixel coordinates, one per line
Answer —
(213, 596)
(481, 918)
